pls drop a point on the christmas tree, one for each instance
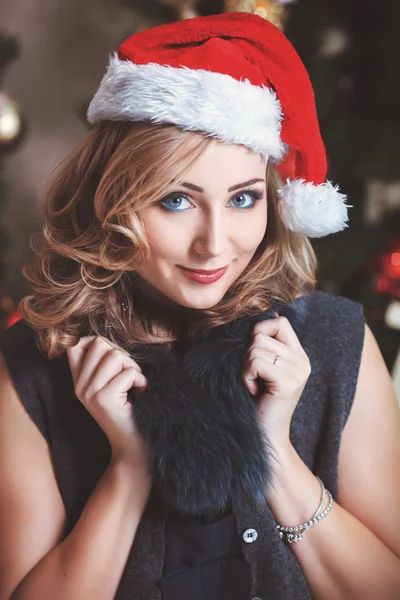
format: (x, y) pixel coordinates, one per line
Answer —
(349, 49)
(10, 135)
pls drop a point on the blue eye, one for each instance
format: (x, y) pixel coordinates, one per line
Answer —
(244, 197)
(174, 203)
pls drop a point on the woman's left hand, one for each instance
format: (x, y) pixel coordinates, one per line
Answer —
(284, 380)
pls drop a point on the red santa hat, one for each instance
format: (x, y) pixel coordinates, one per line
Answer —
(236, 77)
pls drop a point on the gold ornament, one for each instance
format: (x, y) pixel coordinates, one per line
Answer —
(6, 304)
(10, 121)
(186, 9)
(272, 10)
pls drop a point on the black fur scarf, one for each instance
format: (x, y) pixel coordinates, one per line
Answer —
(200, 423)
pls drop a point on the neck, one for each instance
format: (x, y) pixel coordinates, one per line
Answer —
(158, 306)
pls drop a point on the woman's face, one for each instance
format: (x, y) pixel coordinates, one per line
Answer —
(215, 217)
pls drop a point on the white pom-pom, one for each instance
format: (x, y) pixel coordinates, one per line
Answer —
(313, 210)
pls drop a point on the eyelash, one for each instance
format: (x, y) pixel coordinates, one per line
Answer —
(256, 195)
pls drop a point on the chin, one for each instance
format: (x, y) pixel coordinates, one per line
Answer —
(199, 305)
(199, 302)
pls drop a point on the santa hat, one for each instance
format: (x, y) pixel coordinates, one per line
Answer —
(236, 77)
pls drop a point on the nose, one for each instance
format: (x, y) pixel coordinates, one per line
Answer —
(212, 238)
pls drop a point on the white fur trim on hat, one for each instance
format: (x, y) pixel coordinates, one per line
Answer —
(313, 210)
(235, 112)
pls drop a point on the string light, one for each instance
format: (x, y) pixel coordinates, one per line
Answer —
(272, 10)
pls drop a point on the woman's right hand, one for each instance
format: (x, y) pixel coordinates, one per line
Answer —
(102, 376)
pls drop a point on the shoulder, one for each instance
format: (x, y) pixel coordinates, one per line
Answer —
(375, 398)
(369, 462)
(20, 338)
(19, 330)
(334, 321)
(327, 306)
(326, 323)
(25, 360)
(38, 380)
(333, 338)
(32, 515)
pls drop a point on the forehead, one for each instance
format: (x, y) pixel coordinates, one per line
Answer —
(224, 165)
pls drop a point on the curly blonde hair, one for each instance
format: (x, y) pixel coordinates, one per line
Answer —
(93, 240)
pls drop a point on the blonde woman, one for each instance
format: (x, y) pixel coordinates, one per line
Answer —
(182, 415)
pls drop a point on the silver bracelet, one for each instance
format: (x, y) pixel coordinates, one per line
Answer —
(322, 498)
(295, 534)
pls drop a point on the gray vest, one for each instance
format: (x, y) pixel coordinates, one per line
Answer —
(333, 338)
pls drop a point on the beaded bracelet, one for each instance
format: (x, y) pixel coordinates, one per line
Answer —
(322, 498)
(295, 534)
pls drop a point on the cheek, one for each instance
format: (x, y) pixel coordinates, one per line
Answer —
(252, 231)
(165, 238)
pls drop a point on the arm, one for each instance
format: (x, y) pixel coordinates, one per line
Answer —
(354, 553)
(35, 561)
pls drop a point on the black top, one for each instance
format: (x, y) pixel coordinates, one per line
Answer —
(333, 340)
(203, 559)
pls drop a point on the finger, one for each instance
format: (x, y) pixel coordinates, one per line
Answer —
(95, 352)
(85, 342)
(124, 381)
(270, 356)
(281, 329)
(76, 355)
(113, 363)
(266, 342)
(260, 365)
(250, 376)
(260, 357)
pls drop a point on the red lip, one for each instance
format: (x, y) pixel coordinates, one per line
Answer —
(204, 276)
(204, 272)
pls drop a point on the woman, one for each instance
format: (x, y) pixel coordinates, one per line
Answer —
(181, 414)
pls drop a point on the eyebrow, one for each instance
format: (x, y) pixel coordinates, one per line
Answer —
(239, 186)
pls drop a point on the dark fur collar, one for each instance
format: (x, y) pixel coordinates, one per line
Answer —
(200, 422)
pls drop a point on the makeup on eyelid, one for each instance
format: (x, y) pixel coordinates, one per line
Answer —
(256, 195)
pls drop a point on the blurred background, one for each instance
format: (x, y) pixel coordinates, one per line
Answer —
(53, 55)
